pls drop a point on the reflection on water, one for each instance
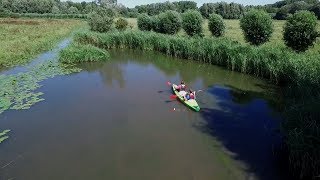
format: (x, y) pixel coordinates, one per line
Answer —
(115, 120)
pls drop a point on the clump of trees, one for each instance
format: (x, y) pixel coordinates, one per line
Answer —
(226, 10)
(101, 20)
(157, 8)
(145, 22)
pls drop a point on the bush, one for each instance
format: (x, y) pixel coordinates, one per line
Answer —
(121, 24)
(257, 27)
(156, 24)
(73, 10)
(216, 25)
(169, 22)
(300, 30)
(192, 22)
(101, 20)
(316, 9)
(76, 53)
(144, 22)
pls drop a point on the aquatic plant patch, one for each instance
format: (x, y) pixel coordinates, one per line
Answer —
(76, 53)
(4, 136)
(19, 91)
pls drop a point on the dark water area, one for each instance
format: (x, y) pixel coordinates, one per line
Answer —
(115, 120)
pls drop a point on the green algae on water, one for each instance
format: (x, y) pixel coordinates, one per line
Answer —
(3, 135)
(19, 91)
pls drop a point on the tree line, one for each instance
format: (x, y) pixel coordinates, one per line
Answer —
(279, 10)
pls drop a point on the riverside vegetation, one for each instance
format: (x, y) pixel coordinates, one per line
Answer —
(297, 73)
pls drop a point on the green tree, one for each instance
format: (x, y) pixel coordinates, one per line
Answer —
(216, 25)
(316, 9)
(121, 24)
(183, 6)
(55, 10)
(300, 30)
(257, 27)
(101, 19)
(192, 23)
(73, 10)
(144, 22)
(170, 22)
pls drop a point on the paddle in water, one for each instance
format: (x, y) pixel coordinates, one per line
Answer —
(173, 96)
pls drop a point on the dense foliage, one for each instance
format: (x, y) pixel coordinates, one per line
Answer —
(300, 30)
(257, 27)
(145, 22)
(216, 25)
(157, 8)
(192, 23)
(121, 24)
(227, 11)
(101, 20)
(169, 22)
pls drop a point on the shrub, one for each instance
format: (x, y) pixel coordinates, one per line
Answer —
(121, 24)
(156, 24)
(300, 30)
(144, 22)
(169, 22)
(73, 10)
(216, 25)
(192, 22)
(316, 9)
(257, 27)
(101, 20)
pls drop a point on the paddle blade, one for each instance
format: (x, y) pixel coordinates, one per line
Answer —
(173, 96)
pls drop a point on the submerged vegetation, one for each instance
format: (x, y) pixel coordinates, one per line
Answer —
(76, 53)
(4, 136)
(19, 91)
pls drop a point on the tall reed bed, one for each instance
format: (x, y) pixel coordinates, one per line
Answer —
(300, 73)
(276, 63)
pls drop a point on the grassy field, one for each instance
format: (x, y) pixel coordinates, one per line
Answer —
(23, 39)
(234, 31)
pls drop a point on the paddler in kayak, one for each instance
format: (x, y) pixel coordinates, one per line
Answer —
(180, 87)
(190, 95)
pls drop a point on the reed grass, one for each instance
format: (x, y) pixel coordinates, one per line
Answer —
(77, 53)
(276, 63)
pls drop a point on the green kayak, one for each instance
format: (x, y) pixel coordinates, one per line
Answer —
(190, 103)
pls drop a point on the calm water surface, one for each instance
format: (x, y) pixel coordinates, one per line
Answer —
(115, 121)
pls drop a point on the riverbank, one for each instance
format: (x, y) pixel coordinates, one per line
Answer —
(23, 39)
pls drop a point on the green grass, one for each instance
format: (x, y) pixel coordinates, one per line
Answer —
(299, 72)
(23, 39)
(76, 53)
